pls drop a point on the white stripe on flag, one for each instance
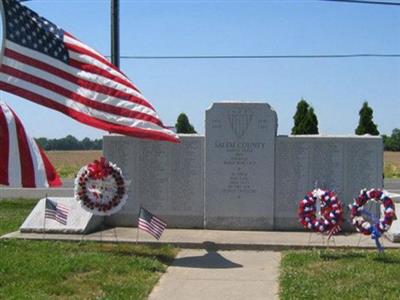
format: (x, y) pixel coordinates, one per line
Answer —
(14, 163)
(38, 164)
(89, 94)
(98, 79)
(71, 104)
(144, 224)
(85, 58)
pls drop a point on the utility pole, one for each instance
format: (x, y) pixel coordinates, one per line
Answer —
(115, 32)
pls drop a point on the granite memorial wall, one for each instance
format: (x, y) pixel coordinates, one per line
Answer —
(241, 175)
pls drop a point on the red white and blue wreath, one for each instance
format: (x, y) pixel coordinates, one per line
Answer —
(100, 188)
(379, 226)
(331, 214)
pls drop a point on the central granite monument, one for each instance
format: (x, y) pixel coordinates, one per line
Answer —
(240, 175)
(240, 166)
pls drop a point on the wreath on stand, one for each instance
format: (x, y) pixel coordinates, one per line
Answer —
(100, 188)
(331, 214)
(379, 226)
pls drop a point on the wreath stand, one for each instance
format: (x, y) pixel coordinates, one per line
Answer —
(102, 190)
(323, 223)
(375, 220)
(314, 238)
(368, 223)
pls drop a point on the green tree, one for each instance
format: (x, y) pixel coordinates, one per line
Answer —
(300, 117)
(392, 143)
(183, 125)
(305, 119)
(311, 122)
(366, 125)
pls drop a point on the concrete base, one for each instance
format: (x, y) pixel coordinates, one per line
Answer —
(393, 234)
(223, 239)
(173, 221)
(34, 193)
(79, 220)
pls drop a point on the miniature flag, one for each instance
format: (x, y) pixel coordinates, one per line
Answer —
(22, 162)
(336, 229)
(56, 211)
(150, 223)
(48, 66)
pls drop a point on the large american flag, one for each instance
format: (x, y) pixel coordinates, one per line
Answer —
(22, 162)
(150, 223)
(47, 65)
(56, 211)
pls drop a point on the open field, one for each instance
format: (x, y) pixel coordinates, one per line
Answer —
(71, 270)
(68, 163)
(392, 164)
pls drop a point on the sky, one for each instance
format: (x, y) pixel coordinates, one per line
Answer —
(336, 88)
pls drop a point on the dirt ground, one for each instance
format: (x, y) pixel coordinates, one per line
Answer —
(392, 158)
(72, 158)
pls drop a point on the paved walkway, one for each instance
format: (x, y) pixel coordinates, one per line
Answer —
(223, 239)
(209, 275)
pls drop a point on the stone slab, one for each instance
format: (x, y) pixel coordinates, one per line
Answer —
(166, 178)
(223, 239)
(240, 164)
(207, 274)
(393, 234)
(79, 220)
(34, 193)
(343, 164)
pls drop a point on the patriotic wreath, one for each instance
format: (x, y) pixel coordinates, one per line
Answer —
(100, 188)
(331, 211)
(357, 210)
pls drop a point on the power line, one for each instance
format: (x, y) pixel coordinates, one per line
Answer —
(318, 56)
(366, 2)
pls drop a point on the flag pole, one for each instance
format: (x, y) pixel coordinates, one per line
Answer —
(3, 17)
(44, 217)
(115, 32)
(137, 227)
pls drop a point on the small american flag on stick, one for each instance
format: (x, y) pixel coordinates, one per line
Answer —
(150, 223)
(56, 211)
(334, 230)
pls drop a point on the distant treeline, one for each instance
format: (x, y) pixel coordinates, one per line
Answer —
(392, 143)
(70, 143)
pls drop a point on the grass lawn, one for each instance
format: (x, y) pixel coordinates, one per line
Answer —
(68, 270)
(340, 274)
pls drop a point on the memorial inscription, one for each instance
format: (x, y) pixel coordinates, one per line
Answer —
(240, 151)
(166, 178)
(328, 162)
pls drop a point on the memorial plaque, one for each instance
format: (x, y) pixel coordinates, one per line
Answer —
(292, 180)
(240, 151)
(342, 164)
(166, 178)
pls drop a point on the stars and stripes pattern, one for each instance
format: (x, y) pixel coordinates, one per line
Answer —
(56, 211)
(150, 223)
(22, 162)
(334, 231)
(47, 65)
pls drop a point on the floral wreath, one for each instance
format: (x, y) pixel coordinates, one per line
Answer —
(100, 188)
(331, 212)
(357, 210)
